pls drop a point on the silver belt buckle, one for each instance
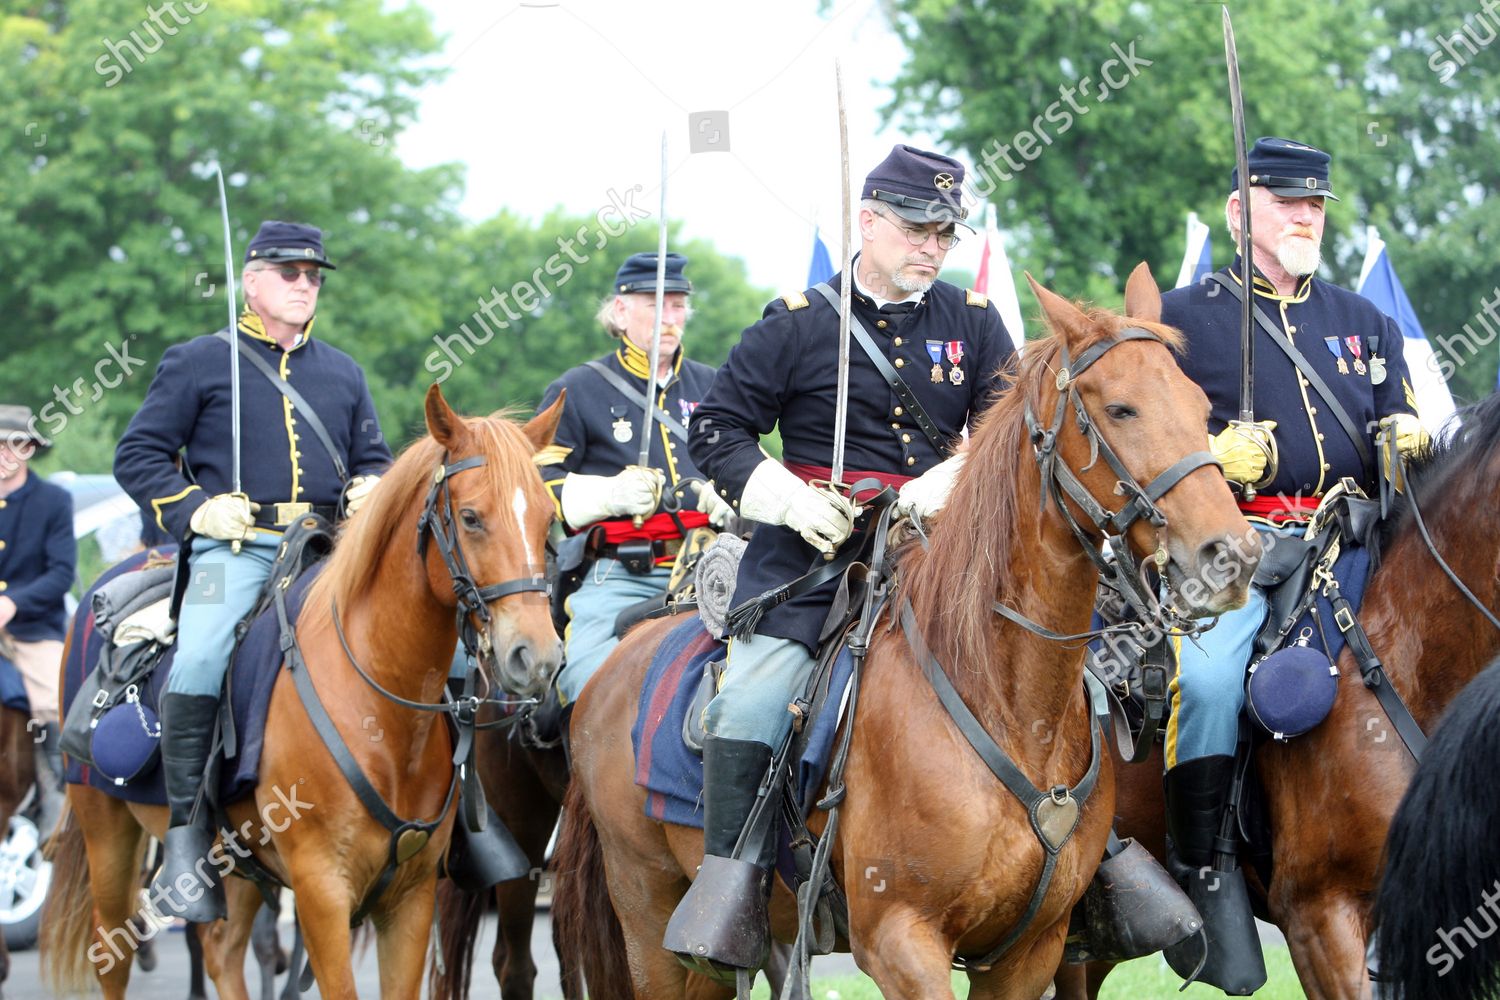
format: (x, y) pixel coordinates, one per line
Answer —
(286, 513)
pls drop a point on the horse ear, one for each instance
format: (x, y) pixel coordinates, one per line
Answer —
(1065, 319)
(443, 424)
(541, 429)
(1142, 297)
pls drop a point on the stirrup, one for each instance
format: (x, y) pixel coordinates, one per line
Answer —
(1132, 908)
(722, 924)
(1229, 956)
(187, 884)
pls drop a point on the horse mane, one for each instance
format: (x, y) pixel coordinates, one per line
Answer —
(365, 538)
(954, 582)
(1436, 473)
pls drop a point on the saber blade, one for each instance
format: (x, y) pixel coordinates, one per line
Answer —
(234, 353)
(846, 285)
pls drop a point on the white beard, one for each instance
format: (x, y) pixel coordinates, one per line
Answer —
(1299, 255)
(900, 279)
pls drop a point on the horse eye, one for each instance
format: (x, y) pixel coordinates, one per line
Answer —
(470, 519)
(1119, 411)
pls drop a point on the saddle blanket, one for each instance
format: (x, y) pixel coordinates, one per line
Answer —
(252, 676)
(12, 687)
(671, 773)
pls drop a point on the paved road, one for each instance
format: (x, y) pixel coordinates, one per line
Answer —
(169, 981)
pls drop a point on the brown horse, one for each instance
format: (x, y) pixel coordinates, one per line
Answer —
(526, 787)
(937, 858)
(17, 777)
(397, 605)
(1330, 794)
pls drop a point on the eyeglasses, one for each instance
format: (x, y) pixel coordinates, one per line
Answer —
(919, 237)
(290, 274)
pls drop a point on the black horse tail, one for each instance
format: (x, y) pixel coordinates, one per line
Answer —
(1437, 910)
(584, 919)
(459, 915)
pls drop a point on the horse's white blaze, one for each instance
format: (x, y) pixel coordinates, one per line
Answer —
(518, 504)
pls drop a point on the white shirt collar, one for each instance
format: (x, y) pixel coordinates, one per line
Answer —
(915, 298)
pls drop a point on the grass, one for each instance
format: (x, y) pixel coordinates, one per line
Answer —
(1144, 979)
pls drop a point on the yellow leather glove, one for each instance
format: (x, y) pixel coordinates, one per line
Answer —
(1242, 449)
(1410, 434)
(229, 517)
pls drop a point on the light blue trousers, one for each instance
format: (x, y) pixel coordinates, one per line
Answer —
(607, 589)
(222, 587)
(761, 677)
(1208, 692)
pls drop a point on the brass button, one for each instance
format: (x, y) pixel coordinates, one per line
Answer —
(1312, 410)
(900, 363)
(1320, 437)
(912, 460)
(906, 439)
(880, 323)
(1291, 329)
(2, 504)
(896, 341)
(3, 585)
(2, 543)
(897, 411)
(895, 427)
(1326, 466)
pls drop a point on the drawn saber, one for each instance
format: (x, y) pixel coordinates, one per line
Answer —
(1247, 263)
(661, 293)
(846, 285)
(234, 345)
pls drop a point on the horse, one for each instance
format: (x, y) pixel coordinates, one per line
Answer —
(526, 785)
(1435, 914)
(17, 778)
(938, 860)
(386, 603)
(1330, 794)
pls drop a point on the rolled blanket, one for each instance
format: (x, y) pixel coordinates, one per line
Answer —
(153, 622)
(128, 593)
(718, 568)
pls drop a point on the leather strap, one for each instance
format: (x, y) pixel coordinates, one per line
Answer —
(892, 378)
(1361, 440)
(298, 401)
(637, 397)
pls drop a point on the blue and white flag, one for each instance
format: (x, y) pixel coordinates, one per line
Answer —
(1197, 260)
(821, 267)
(1379, 284)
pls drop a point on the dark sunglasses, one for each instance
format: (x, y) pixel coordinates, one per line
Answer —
(291, 274)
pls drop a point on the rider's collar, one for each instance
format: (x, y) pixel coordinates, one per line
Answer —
(251, 324)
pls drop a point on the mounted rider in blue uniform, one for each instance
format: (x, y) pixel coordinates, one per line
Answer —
(949, 346)
(1357, 351)
(176, 459)
(593, 465)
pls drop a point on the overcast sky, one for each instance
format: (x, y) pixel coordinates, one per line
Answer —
(551, 104)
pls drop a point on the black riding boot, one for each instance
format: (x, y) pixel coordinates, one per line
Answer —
(49, 779)
(1213, 880)
(188, 884)
(722, 923)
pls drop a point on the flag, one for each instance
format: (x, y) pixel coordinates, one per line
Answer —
(821, 266)
(1196, 260)
(1004, 295)
(1379, 284)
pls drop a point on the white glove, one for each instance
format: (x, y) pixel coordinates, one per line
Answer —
(1410, 434)
(228, 516)
(925, 496)
(773, 495)
(360, 488)
(586, 499)
(710, 503)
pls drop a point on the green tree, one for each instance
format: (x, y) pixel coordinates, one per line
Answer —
(1110, 170)
(110, 239)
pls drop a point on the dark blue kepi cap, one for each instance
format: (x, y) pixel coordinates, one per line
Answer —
(285, 241)
(1287, 168)
(919, 186)
(638, 274)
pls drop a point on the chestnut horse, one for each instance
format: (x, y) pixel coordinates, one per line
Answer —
(17, 777)
(938, 859)
(397, 605)
(1330, 794)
